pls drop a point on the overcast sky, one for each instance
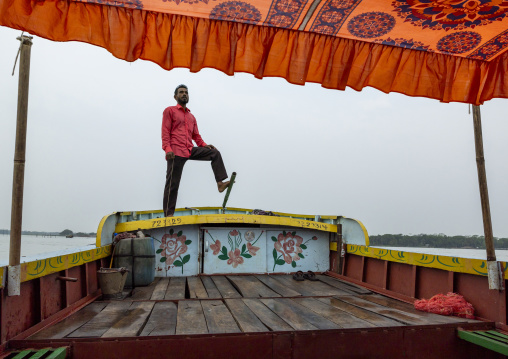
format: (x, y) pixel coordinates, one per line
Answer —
(396, 163)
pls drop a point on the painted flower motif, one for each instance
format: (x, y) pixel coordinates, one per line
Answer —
(233, 233)
(314, 238)
(252, 249)
(172, 246)
(249, 236)
(235, 258)
(215, 247)
(289, 246)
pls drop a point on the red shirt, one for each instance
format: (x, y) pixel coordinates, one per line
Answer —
(179, 128)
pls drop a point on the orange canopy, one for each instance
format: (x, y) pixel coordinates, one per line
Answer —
(450, 50)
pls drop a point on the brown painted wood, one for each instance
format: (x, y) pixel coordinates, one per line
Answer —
(343, 319)
(132, 321)
(176, 288)
(308, 315)
(144, 293)
(101, 323)
(287, 314)
(309, 288)
(398, 315)
(251, 287)
(162, 320)
(71, 323)
(246, 319)
(225, 288)
(337, 283)
(160, 289)
(376, 319)
(265, 315)
(196, 288)
(190, 318)
(211, 288)
(218, 317)
(278, 287)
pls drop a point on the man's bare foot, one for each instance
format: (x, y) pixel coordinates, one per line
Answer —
(222, 186)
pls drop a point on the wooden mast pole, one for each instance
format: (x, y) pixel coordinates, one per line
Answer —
(492, 266)
(19, 167)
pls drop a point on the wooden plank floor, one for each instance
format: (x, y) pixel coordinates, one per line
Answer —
(235, 304)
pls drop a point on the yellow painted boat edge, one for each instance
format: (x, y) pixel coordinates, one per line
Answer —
(446, 263)
(126, 213)
(43, 267)
(223, 218)
(99, 230)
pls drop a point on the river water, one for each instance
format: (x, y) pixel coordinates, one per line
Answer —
(38, 247)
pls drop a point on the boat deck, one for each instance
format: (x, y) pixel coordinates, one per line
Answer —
(236, 304)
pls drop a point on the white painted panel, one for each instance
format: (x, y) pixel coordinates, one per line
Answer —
(354, 232)
(235, 250)
(290, 250)
(176, 251)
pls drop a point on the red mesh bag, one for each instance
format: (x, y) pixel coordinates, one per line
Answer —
(449, 304)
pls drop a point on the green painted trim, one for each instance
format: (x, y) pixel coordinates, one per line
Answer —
(59, 353)
(23, 354)
(495, 336)
(39, 354)
(478, 338)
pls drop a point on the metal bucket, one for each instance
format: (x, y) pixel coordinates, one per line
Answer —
(112, 281)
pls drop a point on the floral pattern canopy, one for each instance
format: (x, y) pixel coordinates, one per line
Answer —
(450, 50)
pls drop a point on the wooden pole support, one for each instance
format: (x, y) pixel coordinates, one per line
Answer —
(493, 271)
(228, 191)
(19, 152)
(482, 181)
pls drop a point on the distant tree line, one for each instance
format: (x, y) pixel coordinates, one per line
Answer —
(64, 233)
(434, 241)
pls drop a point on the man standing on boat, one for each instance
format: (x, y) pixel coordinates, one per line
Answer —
(179, 129)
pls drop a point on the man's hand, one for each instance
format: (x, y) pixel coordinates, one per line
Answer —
(212, 147)
(170, 156)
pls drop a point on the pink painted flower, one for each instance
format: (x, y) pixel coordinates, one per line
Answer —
(235, 258)
(289, 247)
(233, 233)
(314, 238)
(252, 249)
(215, 247)
(172, 246)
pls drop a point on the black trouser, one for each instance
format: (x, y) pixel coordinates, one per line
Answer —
(174, 174)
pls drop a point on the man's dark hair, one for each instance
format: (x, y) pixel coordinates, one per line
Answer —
(180, 86)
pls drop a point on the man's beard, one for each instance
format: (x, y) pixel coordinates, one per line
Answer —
(183, 101)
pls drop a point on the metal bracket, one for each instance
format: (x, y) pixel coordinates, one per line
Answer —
(194, 209)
